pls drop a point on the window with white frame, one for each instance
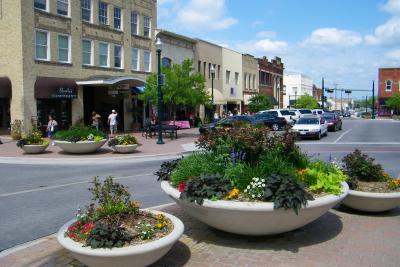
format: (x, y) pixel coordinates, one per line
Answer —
(118, 56)
(146, 26)
(87, 52)
(42, 45)
(63, 7)
(236, 78)
(389, 85)
(103, 55)
(64, 48)
(254, 82)
(249, 82)
(135, 59)
(147, 61)
(228, 76)
(134, 23)
(245, 80)
(117, 18)
(86, 9)
(103, 13)
(41, 4)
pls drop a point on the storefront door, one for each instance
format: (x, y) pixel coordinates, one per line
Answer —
(60, 109)
(4, 113)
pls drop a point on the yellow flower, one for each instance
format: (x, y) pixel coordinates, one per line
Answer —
(233, 194)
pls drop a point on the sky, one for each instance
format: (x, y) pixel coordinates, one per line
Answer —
(344, 41)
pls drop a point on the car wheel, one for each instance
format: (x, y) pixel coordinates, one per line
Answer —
(340, 128)
(326, 133)
(335, 128)
(319, 135)
(275, 127)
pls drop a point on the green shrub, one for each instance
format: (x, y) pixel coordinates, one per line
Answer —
(126, 139)
(359, 166)
(195, 165)
(165, 170)
(33, 138)
(75, 134)
(107, 236)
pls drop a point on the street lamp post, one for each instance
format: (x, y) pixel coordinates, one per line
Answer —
(212, 70)
(373, 100)
(160, 96)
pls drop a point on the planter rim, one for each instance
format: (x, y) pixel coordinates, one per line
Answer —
(79, 142)
(131, 145)
(374, 194)
(255, 206)
(76, 247)
(37, 145)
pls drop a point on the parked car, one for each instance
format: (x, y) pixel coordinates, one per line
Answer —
(347, 114)
(318, 111)
(295, 114)
(228, 122)
(311, 126)
(334, 121)
(304, 111)
(283, 113)
(272, 122)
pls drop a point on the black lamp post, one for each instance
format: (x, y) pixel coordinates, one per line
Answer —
(212, 70)
(160, 96)
(373, 100)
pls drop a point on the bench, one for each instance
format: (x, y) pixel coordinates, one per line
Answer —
(150, 130)
(172, 130)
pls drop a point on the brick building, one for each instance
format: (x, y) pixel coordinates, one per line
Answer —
(250, 79)
(270, 75)
(389, 84)
(69, 57)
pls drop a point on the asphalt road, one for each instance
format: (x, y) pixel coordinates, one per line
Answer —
(35, 200)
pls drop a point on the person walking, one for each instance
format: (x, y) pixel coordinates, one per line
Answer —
(51, 128)
(96, 120)
(112, 122)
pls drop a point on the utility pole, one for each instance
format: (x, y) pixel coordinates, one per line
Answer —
(335, 84)
(366, 103)
(322, 97)
(341, 100)
(373, 100)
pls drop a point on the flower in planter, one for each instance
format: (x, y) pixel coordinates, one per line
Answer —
(233, 194)
(181, 186)
(123, 140)
(33, 138)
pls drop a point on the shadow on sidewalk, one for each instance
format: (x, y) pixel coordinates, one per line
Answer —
(178, 256)
(389, 213)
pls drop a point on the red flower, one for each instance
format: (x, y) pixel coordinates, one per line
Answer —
(181, 186)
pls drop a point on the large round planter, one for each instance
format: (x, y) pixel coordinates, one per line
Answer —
(34, 149)
(254, 218)
(372, 202)
(81, 147)
(124, 149)
(132, 256)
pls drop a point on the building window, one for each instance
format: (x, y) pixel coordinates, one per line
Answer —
(118, 57)
(103, 55)
(219, 72)
(245, 81)
(103, 14)
(249, 81)
(117, 18)
(199, 66)
(254, 82)
(63, 48)
(209, 70)
(204, 69)
(63, 7)
(236, 78)
(228, 76)
(41, 4)
(87, 52)
(134, 23)
(135, 59)
(42, 48)
(166, 62)
(146, 26)
(86, 9)
(147, 61)
(389, 84)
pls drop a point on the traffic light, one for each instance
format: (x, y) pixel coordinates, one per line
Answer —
(329, 90)
(324, 98)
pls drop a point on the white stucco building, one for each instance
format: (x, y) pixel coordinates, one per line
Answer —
(232, 80)
(296, 85)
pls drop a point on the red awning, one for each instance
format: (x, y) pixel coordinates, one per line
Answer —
(48, 87)
(5, 87)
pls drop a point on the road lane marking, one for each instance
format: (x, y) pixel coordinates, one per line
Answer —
(341, 136)
(65, 185)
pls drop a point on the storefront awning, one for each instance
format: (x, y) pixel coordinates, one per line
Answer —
(218, 96)
(49, 87)
(132, 81)
(5, 87)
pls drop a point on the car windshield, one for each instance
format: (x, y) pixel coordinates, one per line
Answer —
(263, 116)
(285, 112)
(292, 113)
(305, 111)
(328, 116)
(274, 113)
(308, 121)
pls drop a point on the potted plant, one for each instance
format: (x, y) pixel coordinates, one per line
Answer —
(124, 143)
(33, 143)
(247, 181)
(80, 140)
(371, 189)
(113, 231)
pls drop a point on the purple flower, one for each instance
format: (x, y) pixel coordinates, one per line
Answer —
(233, 155)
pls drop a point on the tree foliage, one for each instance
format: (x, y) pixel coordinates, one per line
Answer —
(259, 102)
(184, 86)
(394, 101)
(306, 101)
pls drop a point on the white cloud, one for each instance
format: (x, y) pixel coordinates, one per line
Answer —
(262, 46)
(204, 15)
(257, 23)
(393, 54)
(392, 6)
(266, 34)
(386, 34)
(333, 37)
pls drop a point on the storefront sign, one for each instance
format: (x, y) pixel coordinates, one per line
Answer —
(55, 88)
(64, 92)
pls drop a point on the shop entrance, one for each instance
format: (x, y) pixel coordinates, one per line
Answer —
(96, 98)
(60, 109)
(4, 113)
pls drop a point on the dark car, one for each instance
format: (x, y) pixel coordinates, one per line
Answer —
(273, 122)
(334, 121)
(228, 122)
(347, 114)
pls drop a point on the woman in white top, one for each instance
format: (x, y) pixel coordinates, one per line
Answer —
(51, 127)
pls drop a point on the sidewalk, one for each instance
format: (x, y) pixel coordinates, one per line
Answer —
(339, 238)
(184, 142)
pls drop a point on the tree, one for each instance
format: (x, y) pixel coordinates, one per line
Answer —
(306, 101)
(361, 103)
(394, 102)
(259, 102)
(184, 86)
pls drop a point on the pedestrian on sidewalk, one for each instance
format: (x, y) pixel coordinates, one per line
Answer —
(96, 120)
(51, 128)
(112, 122)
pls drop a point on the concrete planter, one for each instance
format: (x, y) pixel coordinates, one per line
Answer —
(81, 147)
(34, 149)
(124, 149)
(372, 202)
(132, 256)
(254, 218)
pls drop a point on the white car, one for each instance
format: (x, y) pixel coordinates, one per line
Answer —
(318, 111)
(304, 111)
(295, 114)
(311, 125)
(283, 113)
